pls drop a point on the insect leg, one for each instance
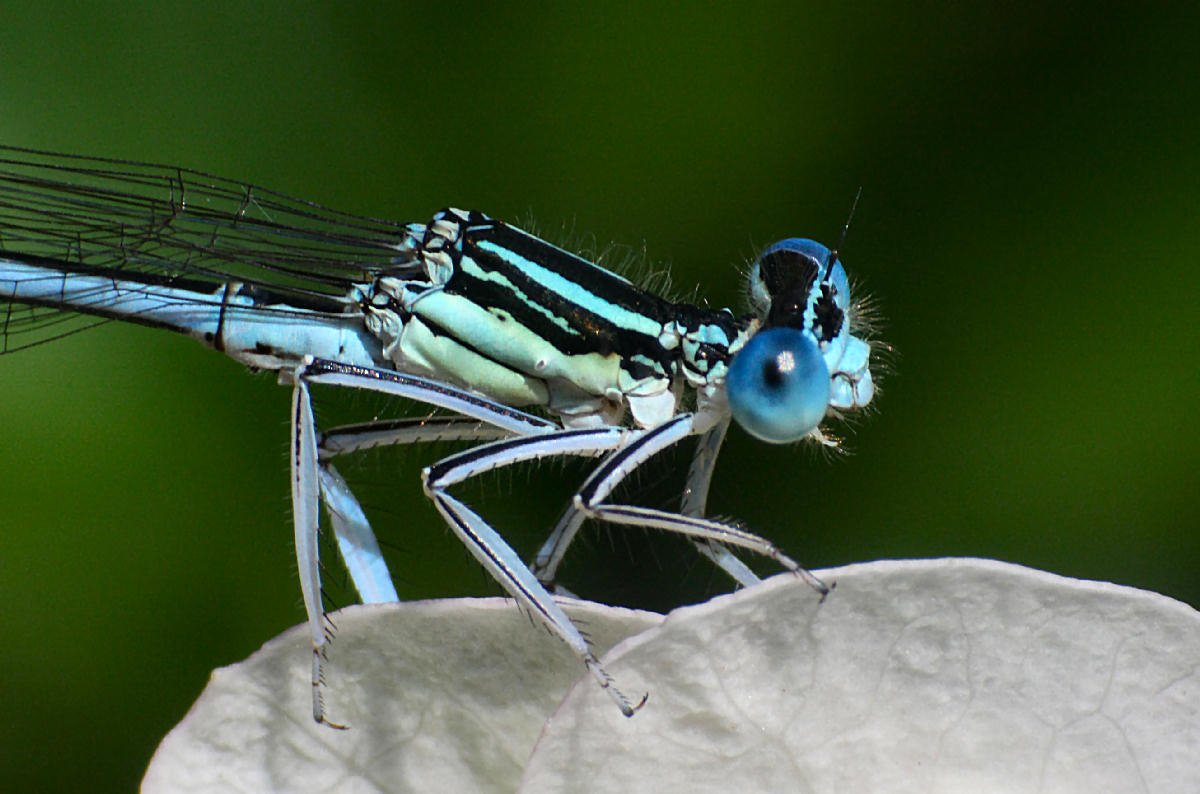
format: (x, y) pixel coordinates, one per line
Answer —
(494, 553)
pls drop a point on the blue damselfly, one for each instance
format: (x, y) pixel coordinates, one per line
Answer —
(532, 351)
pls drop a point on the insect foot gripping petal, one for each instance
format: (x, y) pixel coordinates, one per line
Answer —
(608, 685)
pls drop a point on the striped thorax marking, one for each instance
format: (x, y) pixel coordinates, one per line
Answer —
(528, 323)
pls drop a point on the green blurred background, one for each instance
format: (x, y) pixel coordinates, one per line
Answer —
(1029, 225)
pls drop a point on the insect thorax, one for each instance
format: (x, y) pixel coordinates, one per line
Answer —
(508, 315)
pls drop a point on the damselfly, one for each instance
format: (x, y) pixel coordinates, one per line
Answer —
(532, 351)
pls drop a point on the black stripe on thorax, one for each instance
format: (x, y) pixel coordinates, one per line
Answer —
(586, 331)
(588, 275)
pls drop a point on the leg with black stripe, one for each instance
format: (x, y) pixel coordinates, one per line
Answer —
(590, 501)
(711, 543)
(494, 553)
(314, 478)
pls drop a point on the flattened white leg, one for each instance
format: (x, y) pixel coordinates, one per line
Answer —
(498, 558)
(545, 563)
(550, 555)
(312, 476)
(704, 461)
(304, 518)
(491, 550)
(406, 430)
(431, 392)
(356, 540)
(695, 501)
(728, 562)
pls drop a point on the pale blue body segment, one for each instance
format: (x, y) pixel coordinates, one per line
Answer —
(225, 319)
(530, 351)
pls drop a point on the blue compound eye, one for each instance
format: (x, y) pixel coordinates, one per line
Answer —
(778, 385)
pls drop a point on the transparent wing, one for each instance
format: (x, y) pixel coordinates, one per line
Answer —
(172, 225)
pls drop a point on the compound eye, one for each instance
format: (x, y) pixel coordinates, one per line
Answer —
(778, 385)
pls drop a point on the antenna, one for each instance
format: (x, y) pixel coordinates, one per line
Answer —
(833, 255)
